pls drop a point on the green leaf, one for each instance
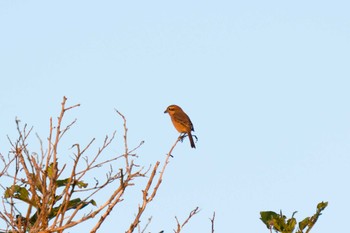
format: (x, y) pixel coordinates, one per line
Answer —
(61, 183)
(72, 204)
(81, 184)
(10, 191)
(267, 218)
(33, 219)
(279, 223)
(322, 205)
(93, 202)
(291, 224)
(18, 192)
(50, 171)
(23, 194)
(304, 223)
(64, 182)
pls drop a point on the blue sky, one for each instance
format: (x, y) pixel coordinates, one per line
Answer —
(266, 84)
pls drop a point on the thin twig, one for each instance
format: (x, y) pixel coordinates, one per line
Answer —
(147, 199)
(212, 222)
(126, 149)
(180, 226)
(148, 222)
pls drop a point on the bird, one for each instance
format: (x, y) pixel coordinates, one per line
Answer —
(181, 121)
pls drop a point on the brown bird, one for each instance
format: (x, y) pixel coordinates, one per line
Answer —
(181, 121)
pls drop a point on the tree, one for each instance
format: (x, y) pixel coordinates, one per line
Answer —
(44, 195)
(47, 196)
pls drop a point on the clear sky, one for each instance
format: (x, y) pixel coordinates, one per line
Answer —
(266, 84)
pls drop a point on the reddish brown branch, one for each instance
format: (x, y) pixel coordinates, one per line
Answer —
(147, 199)
(180, 226)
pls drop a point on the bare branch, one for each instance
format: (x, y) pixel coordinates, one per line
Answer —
(148, 222)
(126, 149)
(212, 222)
(147, 199)
(180, 226)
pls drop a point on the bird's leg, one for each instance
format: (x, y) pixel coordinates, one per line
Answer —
(182, 136)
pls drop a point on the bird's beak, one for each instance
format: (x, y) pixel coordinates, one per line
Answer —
(166, 111)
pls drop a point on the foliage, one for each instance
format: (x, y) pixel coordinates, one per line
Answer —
(280, 223)
(45, 196)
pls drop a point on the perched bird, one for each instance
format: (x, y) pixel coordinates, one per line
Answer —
(181, 121)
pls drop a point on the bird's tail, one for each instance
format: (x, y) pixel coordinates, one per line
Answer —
(191, 140)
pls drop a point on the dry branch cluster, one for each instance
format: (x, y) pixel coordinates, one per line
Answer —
(51, 200)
